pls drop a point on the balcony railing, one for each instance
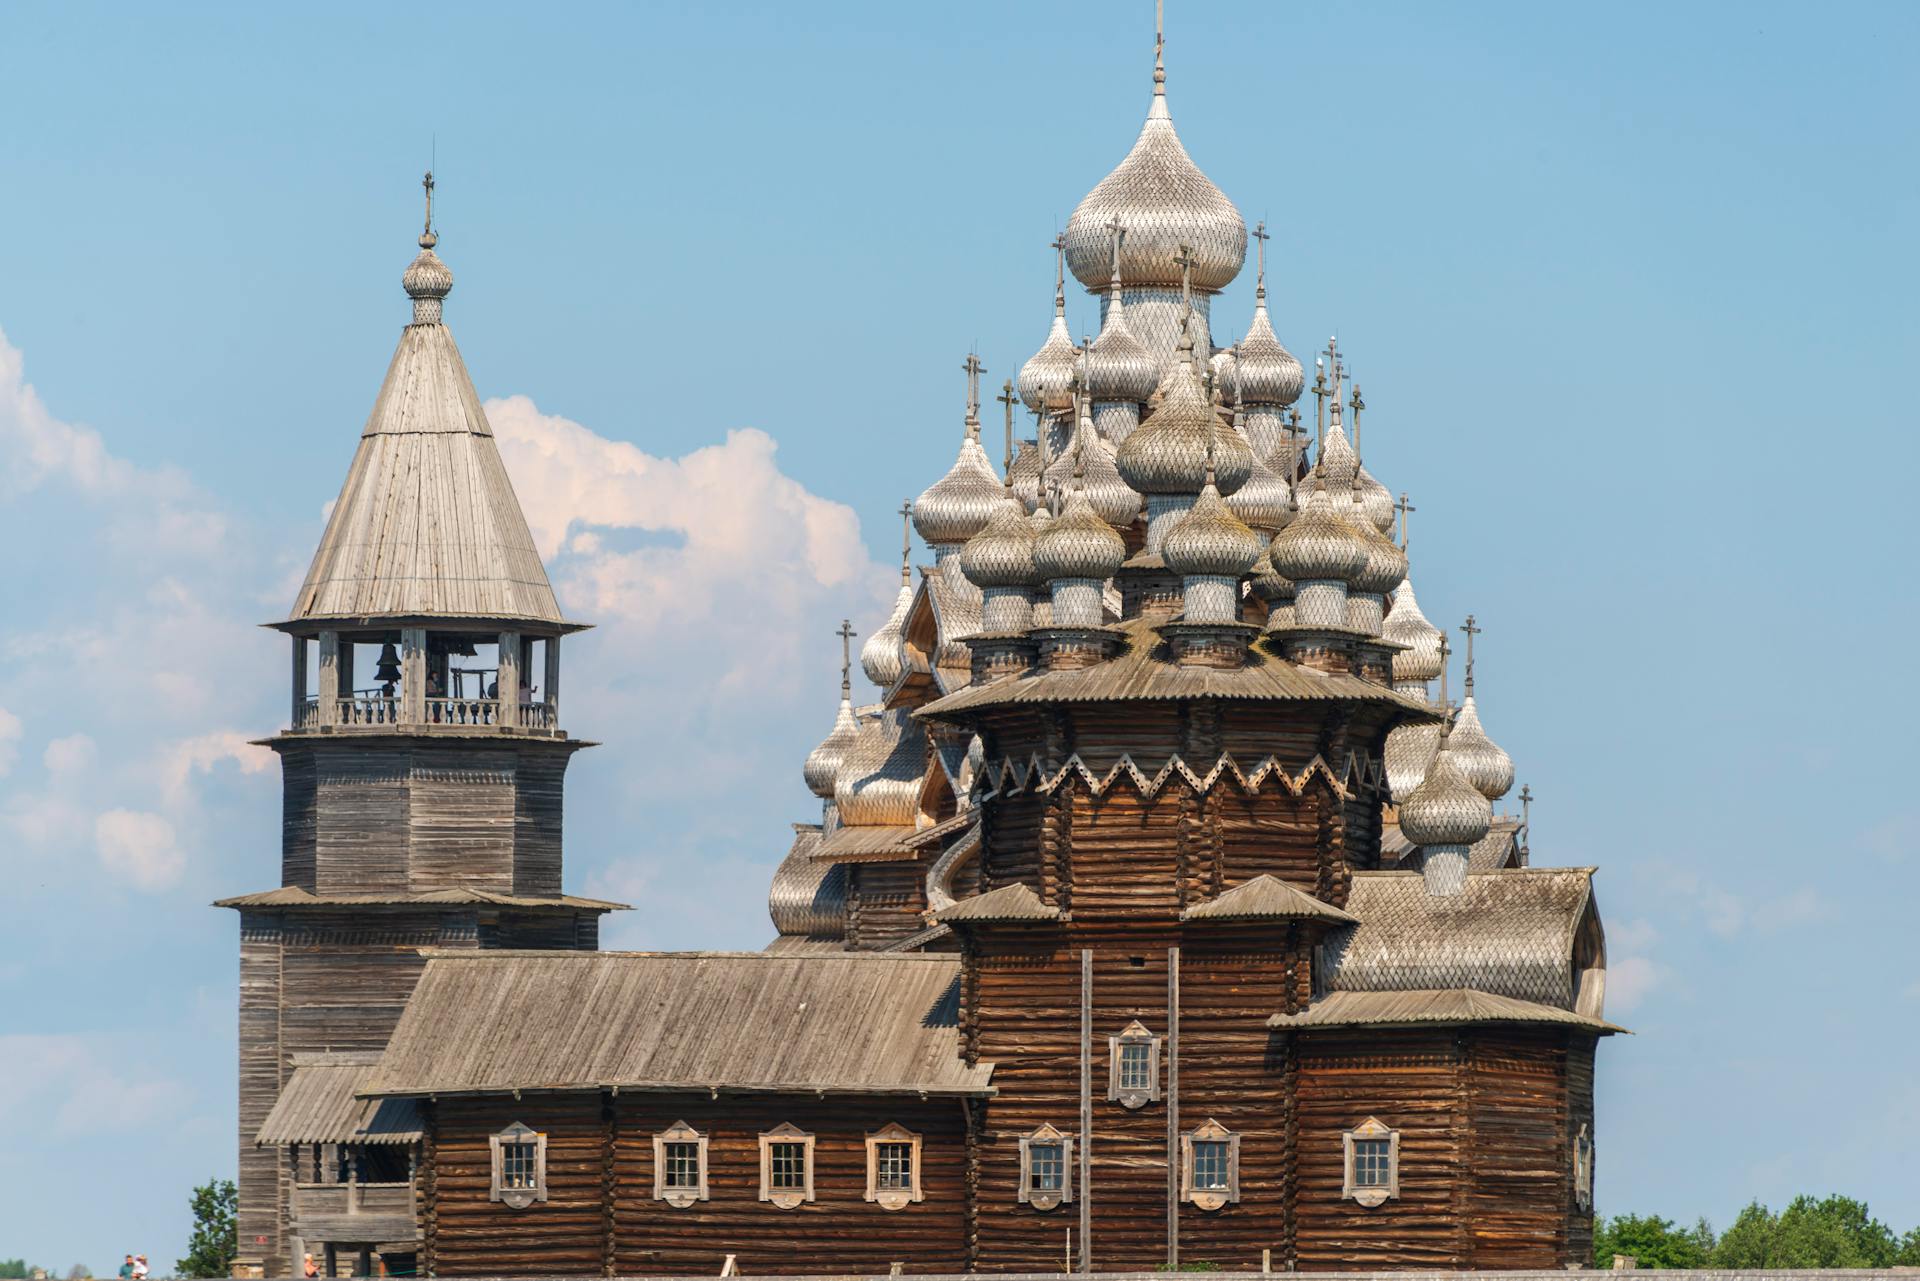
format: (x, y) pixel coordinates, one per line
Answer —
(352, 1198)
(369, 709)
(374, 709)
(307, 715)
(538, 716)
(463, 711)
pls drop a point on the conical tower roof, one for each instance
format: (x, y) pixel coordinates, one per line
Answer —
(427, 525)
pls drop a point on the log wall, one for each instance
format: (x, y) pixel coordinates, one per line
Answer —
(886, 902)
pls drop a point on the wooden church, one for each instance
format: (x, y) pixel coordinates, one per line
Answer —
(1156, 914)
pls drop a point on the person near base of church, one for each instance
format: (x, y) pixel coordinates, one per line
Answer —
(308, 1267)
(126, 1269)
(140, 1267)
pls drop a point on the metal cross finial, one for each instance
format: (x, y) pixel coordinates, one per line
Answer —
(427, 237)
(1472, 631)
(846, 635)
(1358, 405)
(1319, 406)
(1260, 280)
(1059, 247)
(1117, 234)
(1526, 804)
(1159, 48)
(906, 541)
(1404, 508)
(1007, 398)
(974, 369)
(1446, 653)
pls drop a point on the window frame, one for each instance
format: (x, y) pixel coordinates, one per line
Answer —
(1583, 1167)
(1209, 1131)
(785, 1198)
(1372, 1195)
(497, 1142)
(1038, 1198)
(678, 1197)
(893, 1198)
(1135, 1033)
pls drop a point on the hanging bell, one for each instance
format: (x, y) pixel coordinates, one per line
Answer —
(388, 670)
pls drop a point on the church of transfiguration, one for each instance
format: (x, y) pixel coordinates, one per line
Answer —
(1156, 913)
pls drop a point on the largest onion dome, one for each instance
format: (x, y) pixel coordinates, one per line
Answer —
(1163, 200)
(1167, 454)
(1318, 545)
(823, 762)
(1268, 372)
(1001, 555)
(1406, 625)
(959, 504)
(1045, 378)
(1445, 809)
(1481, 760)
(1079, 543)
(1089, 464)
(1210, 541)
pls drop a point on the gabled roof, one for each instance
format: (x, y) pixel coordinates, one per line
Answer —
(294, 896)
(1265, 897)
(1444, 1006)
(1014, 902)
(317, 1105)
(427, 525)
(842, 1023)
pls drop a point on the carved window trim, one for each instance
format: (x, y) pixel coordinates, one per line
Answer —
(1134, 1035)
(1210, 1198)
(1045, 1198)
(786, 1198)
(1583, 1168)
(1371, 1130)
(679, 1197)
(517, 1197)
(893, 1198)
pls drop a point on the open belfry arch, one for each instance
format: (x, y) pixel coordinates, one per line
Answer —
(1155, 910)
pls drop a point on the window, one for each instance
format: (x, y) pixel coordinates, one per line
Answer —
(1046, 1168)
(893, 1167)
(519, 1166)
(680, 1165)
(786, 1166)
(1372, 1158)
(1133, 1070)
(1210, 1166)
(1583, 1168)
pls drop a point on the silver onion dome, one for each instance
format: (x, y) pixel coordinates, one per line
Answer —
(1445, 809)
(1318, 545)
(1406, 625)
(1001, 555)
(426, 276)
(1210, 540)
(1119, 366)
(1481, 761)
(1375, 499)
(1337, 464)
(1044, 379)
(1111, 498)
(959, 504)
(1163, 200)
(1268, 372)
(881, 658)
(1264, 501)
(823, 762)
(1079, 543)
(1386, 565)
(1268, 583)
(1167, 453)
(1024, 474)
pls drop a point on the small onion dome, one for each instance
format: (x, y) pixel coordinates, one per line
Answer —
(1119, 366)
(1445, 809)
(1386, 566)
(1163, 200)
(1001, 555)
(1079, 543)
(823, 762)
(426, 276)
(1318, 546)
(1269, 584)
(1110, 497)
(1484, 764)
(1045, 378)
(1210, 540)
(959, 504)
(1024, 474)
(1376, 499)
(880, 657)
(1167, 453)
(1263, 502)
(1268, 372)
(1337, 463)
(1406, 625)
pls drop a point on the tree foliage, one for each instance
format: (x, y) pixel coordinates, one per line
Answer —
(1830, 1232)
(216, 1234)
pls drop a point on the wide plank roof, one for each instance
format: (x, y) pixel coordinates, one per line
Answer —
(1431, 1006)
(295, 896)
(318, 1105)
(839, 1023)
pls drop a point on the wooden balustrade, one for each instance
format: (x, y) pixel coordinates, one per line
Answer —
(463, 711)
(369, 709)
(539, 716)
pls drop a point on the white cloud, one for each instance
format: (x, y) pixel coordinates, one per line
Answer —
(84, 1084)
(139, 847)
(69, 755)
(10, 730)
(1632, 972)
(184, 759)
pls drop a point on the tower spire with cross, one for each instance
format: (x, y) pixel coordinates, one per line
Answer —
(1472, 630)
(1007, 399)
(428, 239)
(846, 635)
(1260, 278)
(974, 369)
(1059, 247)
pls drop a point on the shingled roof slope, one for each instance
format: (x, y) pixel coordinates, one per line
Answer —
(318, 1105)
(843, 1023)
(1457, 1005)
(1265, 897)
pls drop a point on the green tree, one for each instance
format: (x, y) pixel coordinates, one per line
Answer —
(1908, 1255)
(13, 1268)
(1835, 1233)
(1654, 1241)
(216, 1236)
(1749, 1242)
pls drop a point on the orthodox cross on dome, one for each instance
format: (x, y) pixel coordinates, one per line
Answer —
(846, 635)
(1185, 261)
(1006, 398)
(1159, 48)
(1405, 509)
(427, 237)
(1358, 404)
(974, 369)
(1260, 279)
(1116, 233)
(906, 541)
(1472, 631)
(1526, 804)
(1446, 655)
(1239, 402)
(1059, 247)
(1319, 406)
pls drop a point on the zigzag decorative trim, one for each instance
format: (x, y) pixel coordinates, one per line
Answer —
(1011, 776)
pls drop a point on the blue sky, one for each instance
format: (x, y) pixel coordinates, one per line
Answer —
(1628, 288)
